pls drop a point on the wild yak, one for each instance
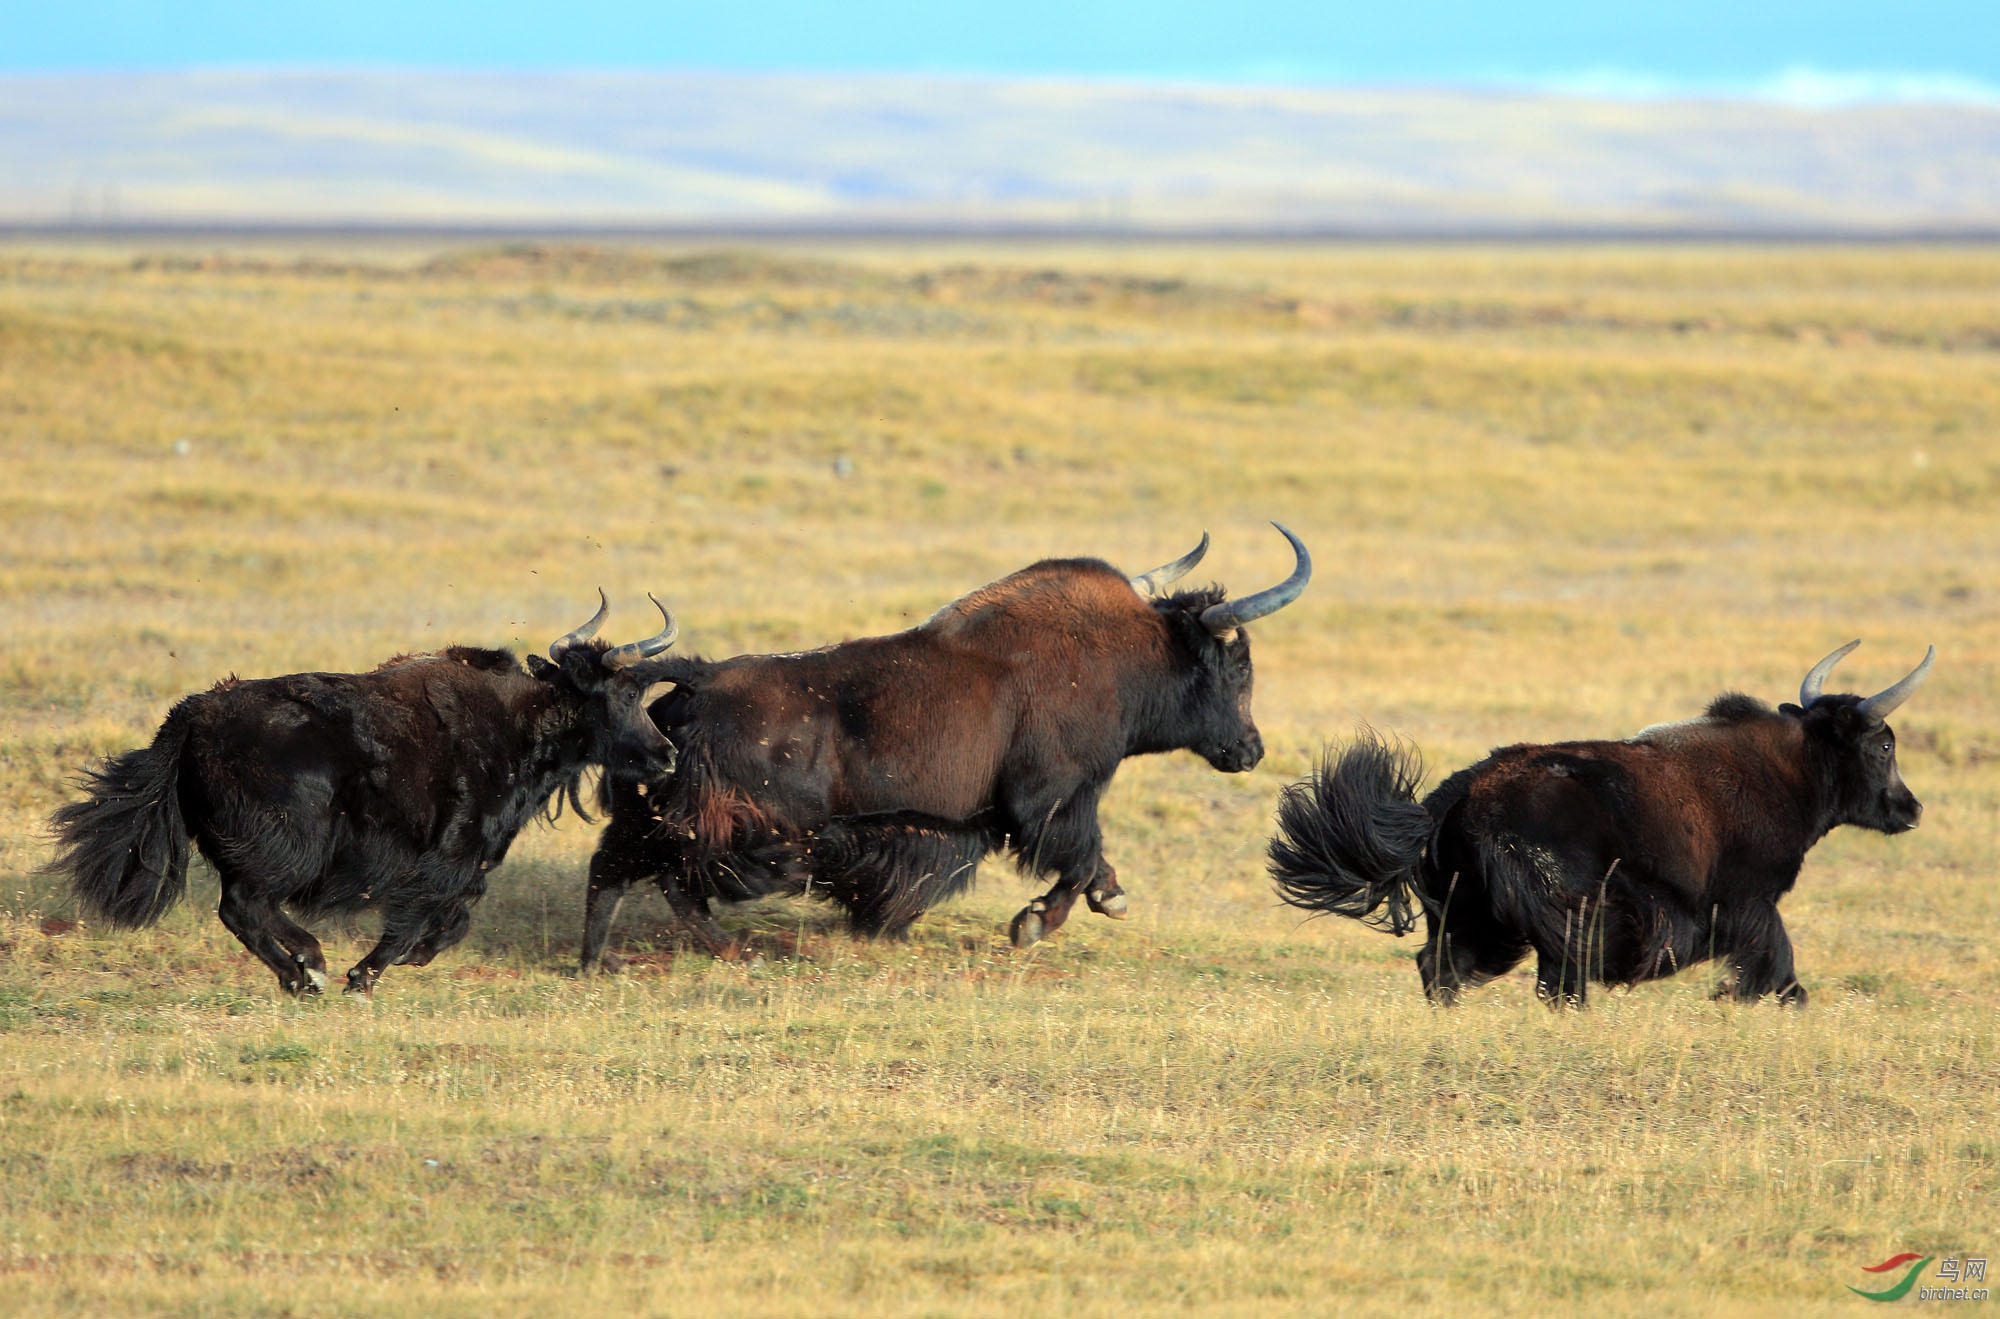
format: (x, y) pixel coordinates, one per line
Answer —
(878, 772)
(1618, 862)
(330, 792)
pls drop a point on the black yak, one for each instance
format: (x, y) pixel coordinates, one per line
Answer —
(1618, 862)
(397, 789)
(879, 772)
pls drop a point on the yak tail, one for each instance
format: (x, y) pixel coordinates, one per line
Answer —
(124, 847)
(1351, 836)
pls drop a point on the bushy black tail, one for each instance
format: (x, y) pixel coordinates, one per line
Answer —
(1351, 836)
(124, 847)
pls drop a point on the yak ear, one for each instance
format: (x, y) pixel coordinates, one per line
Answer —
(1850, 720)
(1794, 711)
(1185, 622)
(577, 670)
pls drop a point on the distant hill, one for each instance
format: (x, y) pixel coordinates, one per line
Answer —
(821, 152)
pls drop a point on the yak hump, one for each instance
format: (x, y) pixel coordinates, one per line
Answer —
(1725, 710)
(1735, 708)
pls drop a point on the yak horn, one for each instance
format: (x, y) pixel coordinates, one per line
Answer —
(1149, 583)
(1883, 703)
(1231, 614)
(1809, 690)
(619, 657)
(563, 643)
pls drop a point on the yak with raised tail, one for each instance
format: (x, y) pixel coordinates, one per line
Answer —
(879, 772)
(1618, 862)
(397, 789)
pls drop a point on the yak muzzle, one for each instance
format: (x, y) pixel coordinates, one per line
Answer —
(1241, 757)
(1901, 811)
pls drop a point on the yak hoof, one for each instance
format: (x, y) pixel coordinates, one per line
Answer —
(315, 981)
(1026, 931)
(1112, 905)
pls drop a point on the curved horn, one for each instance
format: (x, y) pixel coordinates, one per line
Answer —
(619, 657)
(568, 639)
(1232, 614)
(1809, 690)
(1883, 703)
(1149, 583)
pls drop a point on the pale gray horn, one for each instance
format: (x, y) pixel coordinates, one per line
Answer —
(1883, 703)
(1231, 614)
(563, 643)
(1809, 690)
(1149, 583)
(619, 657)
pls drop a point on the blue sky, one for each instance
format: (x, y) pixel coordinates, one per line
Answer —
(1821, 49)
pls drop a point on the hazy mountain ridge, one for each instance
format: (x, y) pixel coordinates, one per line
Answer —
(684, 149)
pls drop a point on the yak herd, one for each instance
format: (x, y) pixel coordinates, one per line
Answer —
(878, 773)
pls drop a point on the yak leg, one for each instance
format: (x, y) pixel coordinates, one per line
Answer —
(1065, 838)
(614, 868)
(445, 929)
(305, 949)
(1463, 955)
(1044, 916)
(1562, 970)
(1464, 946)
(255, 922)
(1596, 943)
(695, 915)
(600, 908)
(1105, 897)
(403, 928)
(1560, 981)
(441, 927)
(1448, 968)
(1760, 957)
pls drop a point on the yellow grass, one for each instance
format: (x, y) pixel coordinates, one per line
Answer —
(1551, 492)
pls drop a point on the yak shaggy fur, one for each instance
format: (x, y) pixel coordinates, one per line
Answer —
(878, 772)
(330, 792)
(1618, 862)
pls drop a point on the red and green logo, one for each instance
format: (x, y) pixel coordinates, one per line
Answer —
(1901, 1289)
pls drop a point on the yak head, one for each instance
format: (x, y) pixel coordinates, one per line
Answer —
(604, 689)
(1210, 714)
(1867, 788)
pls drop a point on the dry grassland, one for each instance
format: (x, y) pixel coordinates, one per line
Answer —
(1551, 492)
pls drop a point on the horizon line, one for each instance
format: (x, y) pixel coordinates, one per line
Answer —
(836, 228)
(1793, 86)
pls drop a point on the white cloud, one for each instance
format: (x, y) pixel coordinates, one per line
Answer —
(1800, 85)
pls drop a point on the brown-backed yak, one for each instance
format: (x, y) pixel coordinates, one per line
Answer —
(878, 772)
(1617, 862)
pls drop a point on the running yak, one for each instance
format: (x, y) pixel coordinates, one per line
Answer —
(878, 772)
(331, 792)
(1618, 862)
